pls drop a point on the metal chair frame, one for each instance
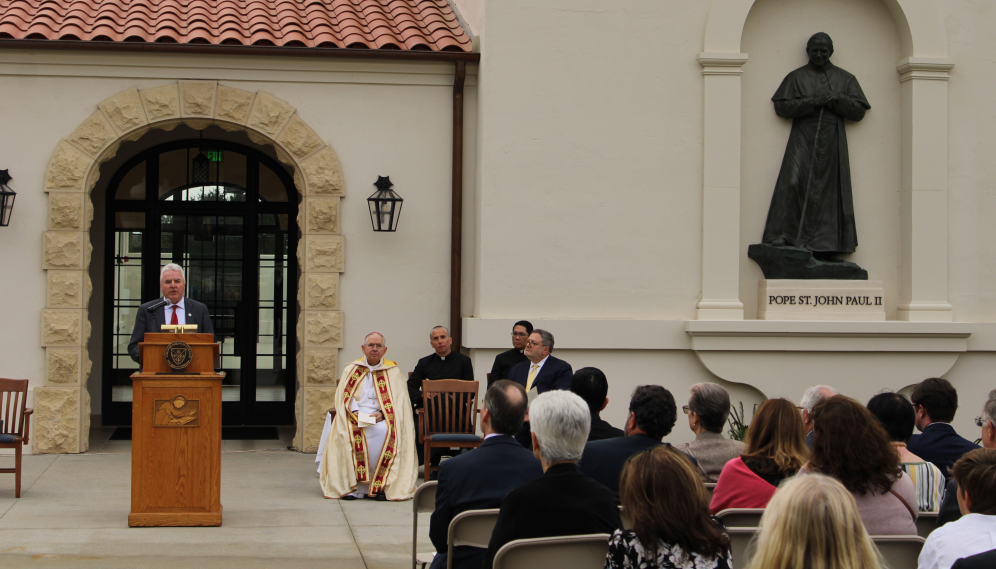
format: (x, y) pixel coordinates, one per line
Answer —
(466, 527)
(423, 502)
(542, 547)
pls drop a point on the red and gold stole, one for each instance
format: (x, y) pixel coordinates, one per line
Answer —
(361, 459)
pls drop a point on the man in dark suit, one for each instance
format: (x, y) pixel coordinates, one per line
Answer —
(178, 310)
(589, 383)
(950, 510)
(935, 401)
(563, 501)
(480, 479)
(505, 361)
(652, 414)
(542, 372)
(985, 560)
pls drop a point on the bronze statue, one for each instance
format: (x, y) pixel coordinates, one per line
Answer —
(811, 209)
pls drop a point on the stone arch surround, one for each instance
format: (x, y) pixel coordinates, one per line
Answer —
(923, 73)
(62, 405)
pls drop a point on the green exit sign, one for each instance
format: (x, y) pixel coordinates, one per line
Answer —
(214, 155)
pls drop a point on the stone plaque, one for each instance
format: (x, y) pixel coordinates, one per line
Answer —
(809, 299)
(176, 412)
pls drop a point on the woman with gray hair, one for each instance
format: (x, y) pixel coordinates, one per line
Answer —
(707, 410)
(564, 501)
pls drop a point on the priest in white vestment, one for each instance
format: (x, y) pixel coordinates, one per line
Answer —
(374, 458)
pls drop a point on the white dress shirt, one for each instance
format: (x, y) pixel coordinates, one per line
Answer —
(974, 533)
(181, 312)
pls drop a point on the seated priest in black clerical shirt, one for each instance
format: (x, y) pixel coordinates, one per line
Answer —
(505, 361)
(444, 363)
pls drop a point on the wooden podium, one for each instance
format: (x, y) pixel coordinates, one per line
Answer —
(176, 433)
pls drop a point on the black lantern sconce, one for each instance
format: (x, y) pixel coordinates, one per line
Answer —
(7, 196)
(385, 206)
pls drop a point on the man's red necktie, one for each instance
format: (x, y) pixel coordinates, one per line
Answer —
(174, 321)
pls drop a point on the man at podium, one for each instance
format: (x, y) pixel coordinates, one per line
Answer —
(173, 308)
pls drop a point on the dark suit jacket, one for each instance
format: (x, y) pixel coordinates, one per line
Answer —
(478, 480)
(197, 313)
(949, 510)
(504, 362)
(940, 444)
(604, 460)
(601, 430)
(554, 375)
(986, 560)
(562, 502)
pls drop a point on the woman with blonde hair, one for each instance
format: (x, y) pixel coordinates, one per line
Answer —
(775, 450)
(812, 522)
(667, 504)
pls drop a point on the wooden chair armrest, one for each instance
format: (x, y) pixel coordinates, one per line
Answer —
(27, 423)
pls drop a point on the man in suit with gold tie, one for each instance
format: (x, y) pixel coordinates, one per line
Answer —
(542, 372)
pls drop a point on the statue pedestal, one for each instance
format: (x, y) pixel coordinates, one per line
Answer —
(812, 299)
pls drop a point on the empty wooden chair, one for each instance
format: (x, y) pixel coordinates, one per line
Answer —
(741, 517)
(899, 551)
(472, 528)
(424, 502)
(740, 545)
(448, 418)
(15, 423)
(568, 552)
(926, 523)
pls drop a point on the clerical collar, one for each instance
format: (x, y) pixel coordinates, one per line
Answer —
(444, 357)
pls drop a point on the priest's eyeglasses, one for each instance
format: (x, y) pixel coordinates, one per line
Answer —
(519, 334)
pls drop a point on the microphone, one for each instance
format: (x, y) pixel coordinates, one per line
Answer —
(157, 305)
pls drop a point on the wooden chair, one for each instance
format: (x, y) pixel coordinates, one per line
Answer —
(15, 423)
(472, 528)
(926, 523)
(740, 545)
(899, 551)
(448, 417)
(741, 517)
(424, 502)
(568, 552)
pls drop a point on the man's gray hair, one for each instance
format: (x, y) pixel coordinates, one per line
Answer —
(561, 421)
(989, 409)
(545, 337)
(172, 267)
(434, 328)
(712, 404)
(815, 394)
(365, 338)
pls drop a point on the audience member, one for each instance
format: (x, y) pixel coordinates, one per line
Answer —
(812, 522)
(985, 560)
(542, 372)
(589, 383)
(935, 401)
(850, 444)
(480, 479)
(707, 410)
(775, 450)
(505, 361)
(810, 398)
(975, 532)
(652, 413)
(563, 501)
(987, 421)
(668, 508)
(895, 412)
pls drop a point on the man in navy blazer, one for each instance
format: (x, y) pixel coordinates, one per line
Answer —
(188, 311)
(935, 401)
(652, 414)
(542, 371)
(480, 479)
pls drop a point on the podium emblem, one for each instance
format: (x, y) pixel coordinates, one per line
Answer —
(179, 355)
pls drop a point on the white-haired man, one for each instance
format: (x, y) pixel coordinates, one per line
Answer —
(177, 309)
(564, 501)
(369, 448)
(810, 398)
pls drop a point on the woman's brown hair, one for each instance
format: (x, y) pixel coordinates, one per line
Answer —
(665, 500)
(775, 433)
(851, 445)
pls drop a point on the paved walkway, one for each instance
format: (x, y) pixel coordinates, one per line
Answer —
(73, 512)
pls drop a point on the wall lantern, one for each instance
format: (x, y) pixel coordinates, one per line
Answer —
(7, 196)
(385, 206)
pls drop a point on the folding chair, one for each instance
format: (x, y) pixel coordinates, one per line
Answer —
(740, 545)
(15, 423)
(926, 523)
(710, 487)
(741, 517)
(899, 551)
(448, 417)
(472, 528)
(568, 552)
(424, 502)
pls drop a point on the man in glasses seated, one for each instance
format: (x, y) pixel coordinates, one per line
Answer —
(505, 361)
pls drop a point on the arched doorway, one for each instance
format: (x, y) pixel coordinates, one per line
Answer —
(227, 214)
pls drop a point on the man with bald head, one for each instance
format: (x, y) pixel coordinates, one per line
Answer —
(369, 447)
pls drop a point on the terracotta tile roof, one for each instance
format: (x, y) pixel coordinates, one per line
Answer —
(373, 24)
